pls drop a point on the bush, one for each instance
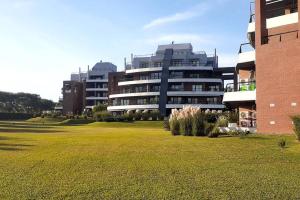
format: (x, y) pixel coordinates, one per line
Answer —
(208, 128)
(128, 117)
(222, 121)
(214, 133)
(155, 115)
(167, 125)
(119, 118)
(175, 127)
(137, 116)
(233, 117)
(145, 116)
(296, 121)
(211, 117)
(99, 108)
(15, 116)
(103, 117)
(282, 143)
(199, 124)
(186, 126)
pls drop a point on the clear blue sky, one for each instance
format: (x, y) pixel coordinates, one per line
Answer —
(43, 41)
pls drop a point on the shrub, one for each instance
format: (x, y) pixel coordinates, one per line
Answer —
(15, 116)
(222, 121)
(119, 118)
(186, 126)
(233, 117)
(296, 121)
(128, 117)
(199, 124)
(137, 116)
(212, 117)
(208, 128)
(104, 117)
(167, 125)
(282, 143)
(214, 133)
(99, 108)
(145, 116)
(175, 127)
(155, 115)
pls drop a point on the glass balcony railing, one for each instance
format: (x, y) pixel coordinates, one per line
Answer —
(240, 87)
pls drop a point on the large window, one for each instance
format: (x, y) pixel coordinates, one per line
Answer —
(176, 100)
(124, 102)
(197, 87)
(176, 74)
(142, 101)
(177, 87)
(156, 75)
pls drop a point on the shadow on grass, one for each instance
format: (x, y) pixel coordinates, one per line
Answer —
(14, 147)
(26, 130)
(254, 138)
(24, 126)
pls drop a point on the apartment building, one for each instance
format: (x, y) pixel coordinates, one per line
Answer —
(87, 89)
(172, 77)
(267, 89)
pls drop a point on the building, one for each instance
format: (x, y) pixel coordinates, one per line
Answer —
(72, 98)
(267, 90)
(87, 89)
(172, 77)
(96, 84)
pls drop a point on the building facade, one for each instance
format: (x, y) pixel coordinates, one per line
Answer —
(267, 90)
(172, 77)
(88, 89)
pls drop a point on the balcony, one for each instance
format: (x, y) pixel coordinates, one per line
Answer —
(139, 94)
(195, 93)
(195, 80)
(97, 80)
(246, 57)
(96, 89)
(96, 98)
(137, 82)
(242, 92)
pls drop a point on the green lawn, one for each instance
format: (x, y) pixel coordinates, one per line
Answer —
(142, 161)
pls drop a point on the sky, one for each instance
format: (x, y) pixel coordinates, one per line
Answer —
(43, 41)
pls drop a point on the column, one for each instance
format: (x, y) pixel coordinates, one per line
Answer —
(260, 21)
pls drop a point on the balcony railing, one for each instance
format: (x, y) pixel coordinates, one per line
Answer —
(245, 47)
(242, 86)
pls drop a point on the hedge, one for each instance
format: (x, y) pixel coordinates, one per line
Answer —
(15, 116)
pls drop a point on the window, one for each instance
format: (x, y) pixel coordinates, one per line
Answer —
(177, 87)
(176, 100)
(158, 64)
(197, 87)
(142, 101)
(176, 63)
(154, 100)
(192, 101)
(195, 62)
(124, 102)
(155, 75)
(143, 77)
(144, 65)
(214, 88)
(176, 74)
(155, 88)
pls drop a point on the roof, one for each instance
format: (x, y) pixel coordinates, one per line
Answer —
(104, 66)
(183, 46)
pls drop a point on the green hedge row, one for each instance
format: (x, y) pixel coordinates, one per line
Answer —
(15, 116)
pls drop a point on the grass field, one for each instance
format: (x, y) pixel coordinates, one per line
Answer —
(142, 161)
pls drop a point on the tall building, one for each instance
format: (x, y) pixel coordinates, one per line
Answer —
(87, 89)
(267, 90)
(172, 77)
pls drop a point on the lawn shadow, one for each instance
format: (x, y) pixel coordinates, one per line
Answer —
(14, 147)
(255, 138)
(24, 126)
(26, 130)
